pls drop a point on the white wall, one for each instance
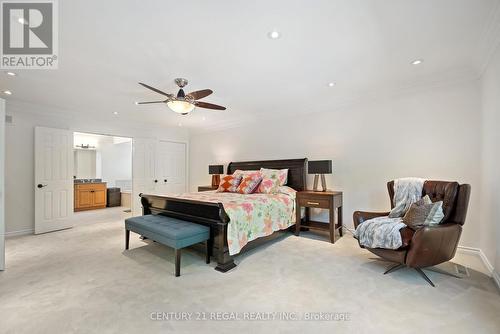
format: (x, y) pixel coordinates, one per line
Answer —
(116, 162)
(2, 178)
(432, 134)
(20, 152)
(490, 178)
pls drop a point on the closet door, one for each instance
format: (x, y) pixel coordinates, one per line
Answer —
(171, 167)
(143, 172)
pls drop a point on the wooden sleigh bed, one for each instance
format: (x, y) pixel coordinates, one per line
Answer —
(214, 215)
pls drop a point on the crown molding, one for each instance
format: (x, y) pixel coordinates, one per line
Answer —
(426, 84)
(379, 93)
(21, 107)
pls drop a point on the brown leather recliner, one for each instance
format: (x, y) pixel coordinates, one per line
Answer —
(430, 245)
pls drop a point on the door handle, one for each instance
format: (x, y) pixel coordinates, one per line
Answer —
(39, 186)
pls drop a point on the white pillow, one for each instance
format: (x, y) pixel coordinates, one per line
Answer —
(245, 172)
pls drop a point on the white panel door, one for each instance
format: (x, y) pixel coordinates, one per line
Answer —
(143, 171)
(2, 184)
(53, 179)
(171, 167)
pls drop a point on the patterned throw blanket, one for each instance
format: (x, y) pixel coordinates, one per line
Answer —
(251, 215)
(383, 232)
(407, 191)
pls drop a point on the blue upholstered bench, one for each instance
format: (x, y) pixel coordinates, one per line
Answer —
(170, 232)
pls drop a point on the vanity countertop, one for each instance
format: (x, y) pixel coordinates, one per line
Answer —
(89, 182)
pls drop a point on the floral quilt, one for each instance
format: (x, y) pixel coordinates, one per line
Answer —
(251, 215)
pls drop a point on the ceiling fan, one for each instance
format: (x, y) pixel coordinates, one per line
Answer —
(183, 103)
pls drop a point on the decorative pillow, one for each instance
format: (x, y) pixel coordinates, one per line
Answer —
(282, 174)
(229, 183)
(249, 183)
(244, 172)
(272, 179)
(423, 213)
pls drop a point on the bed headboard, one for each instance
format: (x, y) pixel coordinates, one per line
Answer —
(296, 169)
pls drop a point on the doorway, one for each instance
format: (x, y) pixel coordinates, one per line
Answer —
(96, 175)
(102, 172)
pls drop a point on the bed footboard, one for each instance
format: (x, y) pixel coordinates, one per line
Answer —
(204, 213)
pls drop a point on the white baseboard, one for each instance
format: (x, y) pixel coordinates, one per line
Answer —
(18, 233)
(487, 264)
(479, 252)
(496, 278)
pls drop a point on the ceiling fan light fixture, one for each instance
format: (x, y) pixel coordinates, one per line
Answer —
(274, 34)
(183, 103)
(180, 107)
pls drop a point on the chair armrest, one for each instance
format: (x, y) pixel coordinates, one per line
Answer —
(432, 245)
(361, 216)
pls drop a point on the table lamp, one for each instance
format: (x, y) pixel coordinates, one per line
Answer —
(215, 171)
(319, 167)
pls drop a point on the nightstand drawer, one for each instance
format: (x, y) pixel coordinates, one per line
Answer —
(315, 202)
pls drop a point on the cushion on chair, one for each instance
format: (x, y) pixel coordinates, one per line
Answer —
(172, 232)
(442, 191)
(424, 212)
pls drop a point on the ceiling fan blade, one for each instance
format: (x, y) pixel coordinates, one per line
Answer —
(149, 102)
(199, 94)
(155, 90)
(208, 105)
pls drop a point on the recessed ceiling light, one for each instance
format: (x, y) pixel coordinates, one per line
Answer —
(115, 112)
(12, 74)
(417, 62)
(8, 92)
(331, 84)
(274, 34)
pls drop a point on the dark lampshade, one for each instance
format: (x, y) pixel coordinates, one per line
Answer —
(215, 169)
(319, 167)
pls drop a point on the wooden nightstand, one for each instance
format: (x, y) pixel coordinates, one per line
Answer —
(330, 200)
(206, 188)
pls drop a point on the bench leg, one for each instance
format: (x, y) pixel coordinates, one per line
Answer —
(177, 262)
(207, 250)
(127, 239)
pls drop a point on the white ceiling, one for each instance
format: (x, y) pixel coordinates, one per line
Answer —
(366, 47)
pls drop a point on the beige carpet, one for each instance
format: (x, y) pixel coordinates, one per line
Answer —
(80, 280)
